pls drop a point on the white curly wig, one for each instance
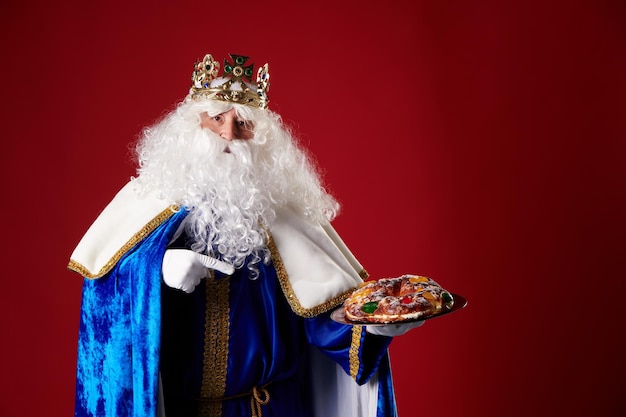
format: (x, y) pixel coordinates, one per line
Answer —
(231, 196)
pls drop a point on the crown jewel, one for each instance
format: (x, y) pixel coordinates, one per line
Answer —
(234, 85)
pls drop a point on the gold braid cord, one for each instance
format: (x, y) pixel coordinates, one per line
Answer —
(215, 346)
(354, 351)
(258, 396)
(256, 401)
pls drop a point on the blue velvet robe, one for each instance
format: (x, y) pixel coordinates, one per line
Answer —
(230, 335)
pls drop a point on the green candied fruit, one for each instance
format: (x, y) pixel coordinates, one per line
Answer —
(370, 307)
(446, 297)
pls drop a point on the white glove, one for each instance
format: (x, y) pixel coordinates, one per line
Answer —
(183, 269)
(392, 330)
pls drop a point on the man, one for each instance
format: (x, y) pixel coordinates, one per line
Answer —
(229, 213)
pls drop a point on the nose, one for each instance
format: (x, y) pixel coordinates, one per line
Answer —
(227, 131)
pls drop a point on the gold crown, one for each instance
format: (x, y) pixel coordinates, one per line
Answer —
(235, 83)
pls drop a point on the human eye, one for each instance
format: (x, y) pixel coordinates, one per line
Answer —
(245, 124)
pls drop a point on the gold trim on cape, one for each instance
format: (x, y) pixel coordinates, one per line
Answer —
(293, 301)
(132, 242)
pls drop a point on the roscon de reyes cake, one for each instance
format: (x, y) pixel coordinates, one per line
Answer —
(390, 300)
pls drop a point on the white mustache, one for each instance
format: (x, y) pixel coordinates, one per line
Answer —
(241, 150)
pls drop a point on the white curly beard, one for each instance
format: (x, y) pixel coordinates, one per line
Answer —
(230, 188)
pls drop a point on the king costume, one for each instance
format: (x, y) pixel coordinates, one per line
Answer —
(237, 345)
(258, 347)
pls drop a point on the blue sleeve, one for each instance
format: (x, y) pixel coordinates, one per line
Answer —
(356, 351)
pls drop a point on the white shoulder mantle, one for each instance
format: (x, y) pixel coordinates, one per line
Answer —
(125, 221)
(315, 268)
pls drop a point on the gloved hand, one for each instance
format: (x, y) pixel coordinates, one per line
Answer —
(392, 330)
(183, 269)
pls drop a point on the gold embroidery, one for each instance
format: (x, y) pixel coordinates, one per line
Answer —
(283, 278)
(217, 328)
(354, 351)
(137, 237)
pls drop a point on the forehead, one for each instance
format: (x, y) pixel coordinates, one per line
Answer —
(229, 113)
(216, 107)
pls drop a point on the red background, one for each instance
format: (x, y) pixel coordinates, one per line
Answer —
(480, 143)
